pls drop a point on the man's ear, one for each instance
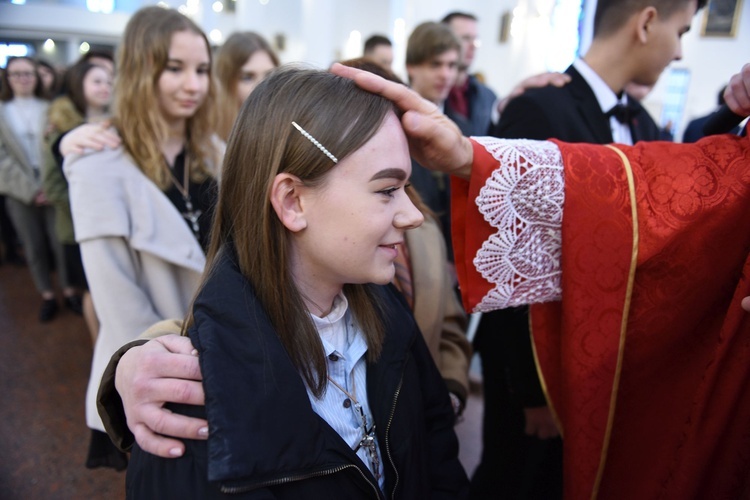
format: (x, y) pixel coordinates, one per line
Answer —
(286, 202)
(645, 20)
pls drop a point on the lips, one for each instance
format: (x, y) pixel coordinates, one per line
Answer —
(391, 248)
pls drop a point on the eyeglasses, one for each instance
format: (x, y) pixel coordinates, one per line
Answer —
(21, 74)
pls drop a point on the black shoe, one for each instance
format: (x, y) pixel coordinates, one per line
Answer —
(74, 303)
(48, 310)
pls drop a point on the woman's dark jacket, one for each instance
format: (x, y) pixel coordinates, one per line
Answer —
(265, 440)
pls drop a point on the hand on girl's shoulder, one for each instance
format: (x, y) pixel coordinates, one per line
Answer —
(89, 137)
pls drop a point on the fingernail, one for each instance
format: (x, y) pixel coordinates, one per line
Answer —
(175, 452)
(194, 352)
(203, 431)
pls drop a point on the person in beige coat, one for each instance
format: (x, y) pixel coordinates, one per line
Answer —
(142, 211)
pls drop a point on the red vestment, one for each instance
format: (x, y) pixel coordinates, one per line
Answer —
(646, 359)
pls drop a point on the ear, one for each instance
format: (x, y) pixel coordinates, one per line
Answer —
(645, 20)
(286, 202)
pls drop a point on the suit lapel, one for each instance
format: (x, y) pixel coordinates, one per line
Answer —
(588, 107)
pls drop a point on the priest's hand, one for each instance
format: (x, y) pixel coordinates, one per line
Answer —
(434, 140)
(746, 304)
(162, 370)
(737, 94)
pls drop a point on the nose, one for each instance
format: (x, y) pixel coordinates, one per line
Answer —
(192, 81)
(408, 216)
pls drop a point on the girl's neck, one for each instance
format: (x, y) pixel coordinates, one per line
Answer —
(317, 292)
(172, 147)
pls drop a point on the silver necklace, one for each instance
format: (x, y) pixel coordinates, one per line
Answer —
(191, 215)
(368, 434)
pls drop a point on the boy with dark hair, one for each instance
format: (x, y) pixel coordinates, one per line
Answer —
(380, 49)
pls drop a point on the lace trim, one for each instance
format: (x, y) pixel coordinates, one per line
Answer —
(523, 199)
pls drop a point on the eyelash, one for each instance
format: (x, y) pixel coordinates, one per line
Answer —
(389, 191)
(177, 69)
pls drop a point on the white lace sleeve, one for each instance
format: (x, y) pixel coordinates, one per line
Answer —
(523, 200)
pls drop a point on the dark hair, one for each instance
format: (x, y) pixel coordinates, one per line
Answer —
(54, 89)
(457, 15)
(611, 15)
(429, 40)
(262, 144)
(367, 64)
(6, 93)
(74, 78)
(374, 41)
(101, 54)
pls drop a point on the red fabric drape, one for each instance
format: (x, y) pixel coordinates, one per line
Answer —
(654, 398)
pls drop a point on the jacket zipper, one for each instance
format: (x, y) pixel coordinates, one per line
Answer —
(388, 431)
(275, 482)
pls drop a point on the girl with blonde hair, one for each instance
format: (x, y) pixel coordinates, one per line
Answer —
(141, 211)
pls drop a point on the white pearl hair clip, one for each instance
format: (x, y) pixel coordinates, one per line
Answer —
(315, 142)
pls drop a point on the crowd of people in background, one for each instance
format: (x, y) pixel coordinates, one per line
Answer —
(110, 173)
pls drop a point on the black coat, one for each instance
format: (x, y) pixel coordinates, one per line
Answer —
(266, 441)
(570, 113)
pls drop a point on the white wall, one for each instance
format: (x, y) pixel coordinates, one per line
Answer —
(317, 31)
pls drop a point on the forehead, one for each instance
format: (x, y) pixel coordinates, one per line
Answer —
(20, 64)
(96, 72)
(187, 44)
(259, 58)
(387, 149)
(447, 57)
(463, 26)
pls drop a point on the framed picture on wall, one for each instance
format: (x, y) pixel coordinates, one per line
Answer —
(721, 18)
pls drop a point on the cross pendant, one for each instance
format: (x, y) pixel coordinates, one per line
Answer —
(192, 216)
(368, 442)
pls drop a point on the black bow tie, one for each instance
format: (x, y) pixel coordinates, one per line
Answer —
(624, 113)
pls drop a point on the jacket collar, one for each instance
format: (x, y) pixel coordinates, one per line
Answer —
(262, 424)
(588, 107)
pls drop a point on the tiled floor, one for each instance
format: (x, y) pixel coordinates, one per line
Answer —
(43, 375)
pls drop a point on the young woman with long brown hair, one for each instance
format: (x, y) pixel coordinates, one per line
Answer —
(318, 382)
(142, 211)
(241, 63)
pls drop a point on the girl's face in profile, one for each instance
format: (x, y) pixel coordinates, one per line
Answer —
(357, 217)
(183, 84)
(97, 88)
(255, 69)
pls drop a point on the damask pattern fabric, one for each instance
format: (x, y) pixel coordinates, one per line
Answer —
(646, 357)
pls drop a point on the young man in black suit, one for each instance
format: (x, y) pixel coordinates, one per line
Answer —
(634, 40)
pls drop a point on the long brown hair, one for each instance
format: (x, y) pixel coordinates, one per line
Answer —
(142, 56)
(228, 63)
(263, 144)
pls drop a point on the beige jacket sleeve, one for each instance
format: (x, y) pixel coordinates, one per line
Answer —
(108, 400)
